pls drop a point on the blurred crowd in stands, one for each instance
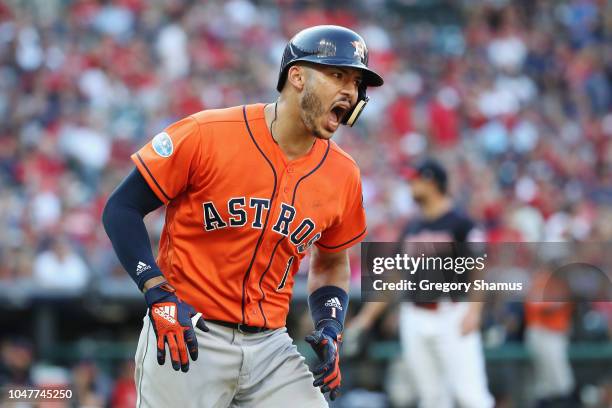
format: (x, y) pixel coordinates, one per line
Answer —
(89, 385)
(515, 98)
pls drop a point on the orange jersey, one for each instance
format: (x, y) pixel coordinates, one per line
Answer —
(556, 316)
(240, 217)
(547, 304)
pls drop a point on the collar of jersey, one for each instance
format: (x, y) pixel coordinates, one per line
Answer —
(261, 133)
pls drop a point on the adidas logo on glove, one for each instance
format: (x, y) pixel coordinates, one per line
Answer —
(167, 312)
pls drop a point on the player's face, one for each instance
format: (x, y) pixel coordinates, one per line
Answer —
(329, 93)
(420, 189)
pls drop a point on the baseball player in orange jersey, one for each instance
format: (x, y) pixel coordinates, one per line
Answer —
(248, 191)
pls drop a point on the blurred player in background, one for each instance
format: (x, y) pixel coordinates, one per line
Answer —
(548, 317)
(441, 340)
(248, 191)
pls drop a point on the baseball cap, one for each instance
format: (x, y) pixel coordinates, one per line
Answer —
(429, 169)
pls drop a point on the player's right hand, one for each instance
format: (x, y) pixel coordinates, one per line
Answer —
(171, 319)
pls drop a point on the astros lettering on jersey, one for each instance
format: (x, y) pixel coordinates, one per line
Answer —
(240, 217)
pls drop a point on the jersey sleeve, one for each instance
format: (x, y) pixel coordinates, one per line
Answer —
(170, 159)
(350, 229)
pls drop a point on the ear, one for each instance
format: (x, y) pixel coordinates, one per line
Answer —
(296, 76)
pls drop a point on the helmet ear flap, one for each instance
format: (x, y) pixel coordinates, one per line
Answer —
(351, 116)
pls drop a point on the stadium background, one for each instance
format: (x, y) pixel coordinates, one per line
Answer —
(514, 98)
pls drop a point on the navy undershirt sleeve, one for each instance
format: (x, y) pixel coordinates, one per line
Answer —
(123, 221)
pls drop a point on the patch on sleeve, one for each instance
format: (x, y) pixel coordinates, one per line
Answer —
(162, 144)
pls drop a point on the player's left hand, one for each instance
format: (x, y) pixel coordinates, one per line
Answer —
(328, 372)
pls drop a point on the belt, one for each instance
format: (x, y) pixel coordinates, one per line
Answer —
(242, 328)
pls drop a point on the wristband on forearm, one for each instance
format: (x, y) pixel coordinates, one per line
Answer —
(328, 305)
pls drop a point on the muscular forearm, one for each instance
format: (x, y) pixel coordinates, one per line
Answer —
(329, 270)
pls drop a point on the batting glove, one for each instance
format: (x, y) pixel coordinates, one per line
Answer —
(171, 319)
(327, 345)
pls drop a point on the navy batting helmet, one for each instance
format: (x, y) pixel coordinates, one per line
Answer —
(334, 46)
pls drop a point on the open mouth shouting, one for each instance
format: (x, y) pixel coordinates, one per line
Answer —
(336, 114)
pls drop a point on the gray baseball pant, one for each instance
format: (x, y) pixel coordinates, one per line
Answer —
(233, 370)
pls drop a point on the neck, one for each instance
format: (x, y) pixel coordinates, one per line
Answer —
(288, 129)
(435, 207)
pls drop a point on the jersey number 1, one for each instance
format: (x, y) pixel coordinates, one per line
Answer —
(287, 269)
